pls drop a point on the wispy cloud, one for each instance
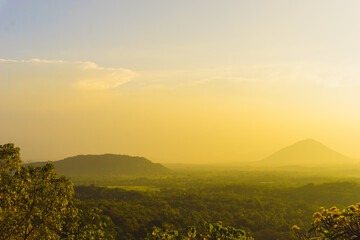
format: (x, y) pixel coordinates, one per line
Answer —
(259, 76)
(56, 73)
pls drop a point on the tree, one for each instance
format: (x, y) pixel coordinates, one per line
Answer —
(211, 232)
(36, 203)
(89, 223)
(333, 224)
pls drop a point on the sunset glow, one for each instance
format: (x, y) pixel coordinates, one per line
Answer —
(178, 81)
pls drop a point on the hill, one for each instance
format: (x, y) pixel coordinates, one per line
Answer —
(107, 165)
(307, 152)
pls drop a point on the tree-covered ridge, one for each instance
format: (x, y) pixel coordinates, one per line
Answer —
(106, 165)
(37, 203)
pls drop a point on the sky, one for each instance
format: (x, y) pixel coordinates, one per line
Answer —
(190, 81)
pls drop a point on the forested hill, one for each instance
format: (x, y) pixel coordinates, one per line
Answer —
(107, 165)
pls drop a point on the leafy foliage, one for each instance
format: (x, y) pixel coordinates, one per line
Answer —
(331, 224)
(36, 203)
(211, 232)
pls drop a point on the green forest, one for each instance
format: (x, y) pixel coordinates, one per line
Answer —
(179, 120)
(38, 203)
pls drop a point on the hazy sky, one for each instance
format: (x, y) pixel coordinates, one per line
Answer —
(178, 81)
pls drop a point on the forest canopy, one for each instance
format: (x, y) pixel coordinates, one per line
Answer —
(37, 203)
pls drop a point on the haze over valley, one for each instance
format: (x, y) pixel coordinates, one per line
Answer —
(179, 120)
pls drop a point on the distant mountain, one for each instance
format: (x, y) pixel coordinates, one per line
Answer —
(307, 152)
(106, 165)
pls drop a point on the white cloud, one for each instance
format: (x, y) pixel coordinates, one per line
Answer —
(55, 74)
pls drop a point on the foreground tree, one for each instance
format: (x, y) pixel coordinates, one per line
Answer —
(211, 232)
(36, 203)
(333, 224)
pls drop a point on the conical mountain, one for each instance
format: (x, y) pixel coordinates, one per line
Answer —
(307, 152)
(106, 165)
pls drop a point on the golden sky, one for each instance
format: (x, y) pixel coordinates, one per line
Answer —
(186, 81)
